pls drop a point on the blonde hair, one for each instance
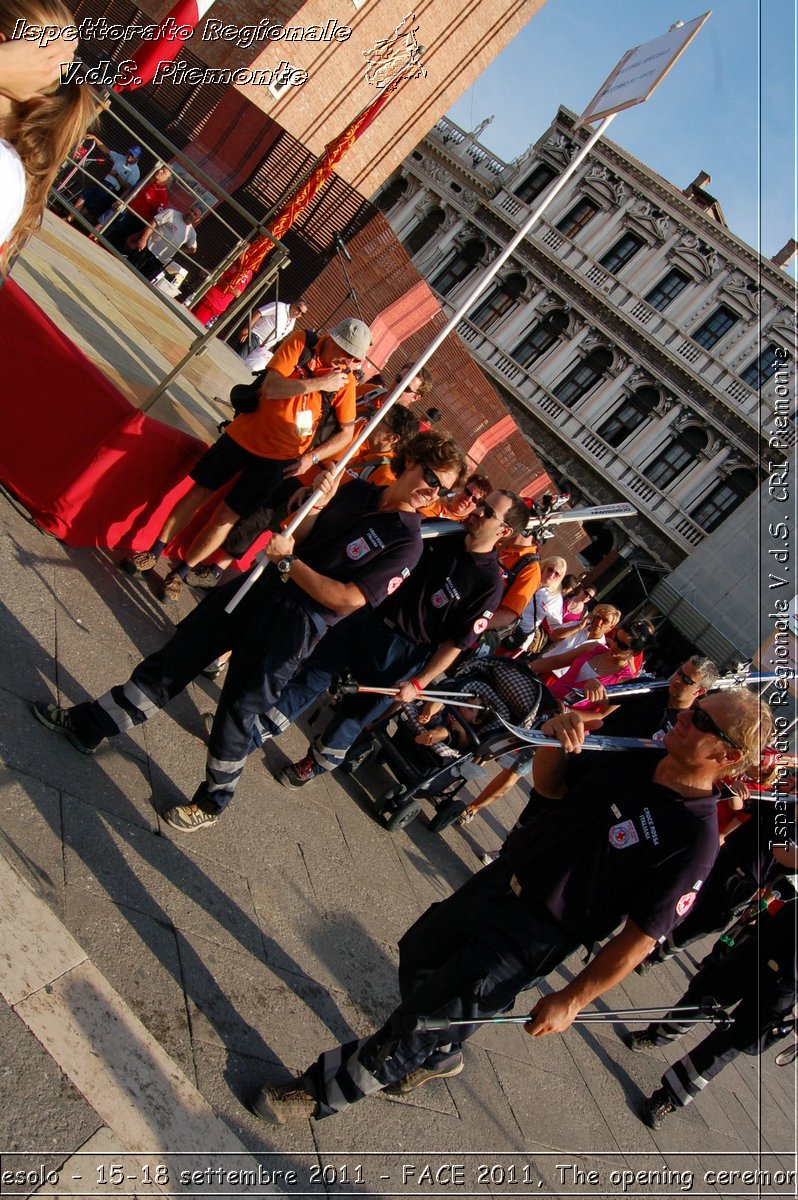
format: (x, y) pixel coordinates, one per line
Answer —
(44, 129)
(607, 610)
(750, 726)
(554, 560)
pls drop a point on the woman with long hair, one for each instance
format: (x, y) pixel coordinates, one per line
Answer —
(41, 119)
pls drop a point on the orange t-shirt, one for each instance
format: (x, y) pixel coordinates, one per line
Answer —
(526, 582)
(283, 429)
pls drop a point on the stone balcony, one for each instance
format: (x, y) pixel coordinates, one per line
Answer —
(707, 367)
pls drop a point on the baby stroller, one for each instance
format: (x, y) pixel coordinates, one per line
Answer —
(507, 690)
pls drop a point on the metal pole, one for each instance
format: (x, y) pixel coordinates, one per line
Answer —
(202, 340)
(714, 1014)
(474, 294)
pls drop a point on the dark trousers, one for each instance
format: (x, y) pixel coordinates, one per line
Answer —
(270, 634)
(375, 655)
(764, 997)
(98, 199)
(123, 227)
(465, 958)
(146, 262)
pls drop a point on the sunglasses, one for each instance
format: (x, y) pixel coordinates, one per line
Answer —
(704, 724)
(685, 679)
(485, 510)
(476, 496)
(432, 480)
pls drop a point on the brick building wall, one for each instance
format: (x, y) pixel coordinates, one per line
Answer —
(461, 37)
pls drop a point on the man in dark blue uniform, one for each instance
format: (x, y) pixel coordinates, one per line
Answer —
(750, 859)
(653, 713)
(357, 552)
(626, 840)
(415, 636)
(759, 976)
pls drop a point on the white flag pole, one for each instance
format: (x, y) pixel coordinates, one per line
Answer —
(474, 294)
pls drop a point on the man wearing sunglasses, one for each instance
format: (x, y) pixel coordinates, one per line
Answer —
(651, 714)
(616, 852)
(354, 551)
(413, 637)
(520, 563)
(259, 450)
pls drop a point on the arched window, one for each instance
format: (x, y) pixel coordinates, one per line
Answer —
(459, 265)
(583, 377)
(392, 194)
(725, 496)
(540, 338)
(535, 183)
(628, 416)
(671, 461)
(426, 229)
(498, 302)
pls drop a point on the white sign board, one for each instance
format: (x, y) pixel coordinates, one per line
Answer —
(640, 70)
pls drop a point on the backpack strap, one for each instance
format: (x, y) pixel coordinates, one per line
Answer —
(512, 573)
(371, 466)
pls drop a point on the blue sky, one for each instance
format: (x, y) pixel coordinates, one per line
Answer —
(727, 106)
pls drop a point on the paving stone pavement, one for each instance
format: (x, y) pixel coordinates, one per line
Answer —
(247, 949)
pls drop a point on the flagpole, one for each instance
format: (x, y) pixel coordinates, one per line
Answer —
(476, 291)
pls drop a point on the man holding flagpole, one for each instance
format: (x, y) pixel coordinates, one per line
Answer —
(261, 449)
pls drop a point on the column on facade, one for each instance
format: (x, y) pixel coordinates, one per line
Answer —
(645, 270)
(553, 364)
(607, 232)
(403, 215)
(523, 319)
(704, 302)
(440, 246)
(609, 391)
(685, 490)
(650, 438)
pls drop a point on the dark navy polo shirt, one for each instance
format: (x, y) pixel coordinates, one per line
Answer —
(616, 845)
(451, 597)
(353, 542)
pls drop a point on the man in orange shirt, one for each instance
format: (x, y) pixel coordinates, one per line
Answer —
(520, 562)
(263, 448)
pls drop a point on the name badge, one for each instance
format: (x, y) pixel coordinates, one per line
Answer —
(304, 422)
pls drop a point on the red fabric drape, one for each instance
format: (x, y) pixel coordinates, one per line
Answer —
(90, 468)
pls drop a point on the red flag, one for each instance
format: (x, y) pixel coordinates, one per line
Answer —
(176, 29)
(232, 283)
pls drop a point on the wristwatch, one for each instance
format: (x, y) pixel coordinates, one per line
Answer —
(284, 566)
(314, 458)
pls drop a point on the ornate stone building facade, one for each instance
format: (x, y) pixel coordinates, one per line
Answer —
(633, 336)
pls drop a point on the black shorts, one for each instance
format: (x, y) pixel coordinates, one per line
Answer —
(258, 478)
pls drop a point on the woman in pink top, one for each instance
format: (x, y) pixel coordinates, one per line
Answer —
(594, 668)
